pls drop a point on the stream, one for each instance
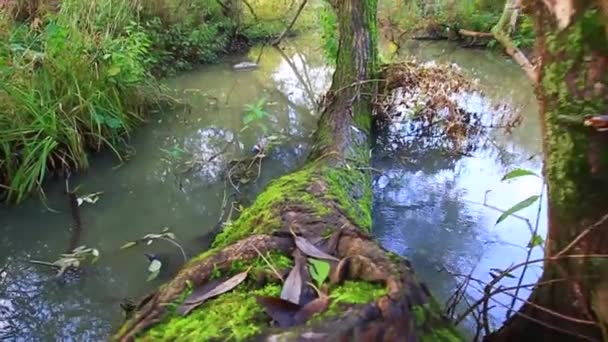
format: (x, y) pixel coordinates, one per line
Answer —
(427, 206)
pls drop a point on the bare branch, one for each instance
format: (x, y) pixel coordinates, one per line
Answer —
(293, 21)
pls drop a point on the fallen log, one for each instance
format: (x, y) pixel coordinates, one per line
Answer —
(320, 214)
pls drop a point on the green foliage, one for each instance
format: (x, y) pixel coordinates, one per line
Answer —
(518, 207)
(319, 270)
(518, 173)
(255, 115)
(329, 33)
(80, 78)
(64, 90)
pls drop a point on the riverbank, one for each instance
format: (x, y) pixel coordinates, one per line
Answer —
(76, 77)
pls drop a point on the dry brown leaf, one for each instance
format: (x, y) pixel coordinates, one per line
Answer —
(281, 311)
(339, 272)
(317, 306)
(288, 314)
(311, 250)
(199, 297)
(292, 288)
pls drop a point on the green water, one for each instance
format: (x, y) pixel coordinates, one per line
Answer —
(424, 209)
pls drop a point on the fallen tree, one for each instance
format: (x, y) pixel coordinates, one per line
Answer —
(321, 211)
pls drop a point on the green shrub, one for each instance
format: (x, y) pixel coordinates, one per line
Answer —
(64, 90)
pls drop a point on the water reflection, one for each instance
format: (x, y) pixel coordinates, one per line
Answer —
(428, 202)
(174, 180)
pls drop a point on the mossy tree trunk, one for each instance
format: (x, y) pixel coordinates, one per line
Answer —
(330, 196)
(572, 91)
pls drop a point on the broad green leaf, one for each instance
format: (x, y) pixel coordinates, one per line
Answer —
(518, 173)
(319, 270)
(536, 241)
(128, 245)
(519, 206)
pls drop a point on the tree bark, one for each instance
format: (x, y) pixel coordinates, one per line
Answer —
(572, 91)
(329, 196)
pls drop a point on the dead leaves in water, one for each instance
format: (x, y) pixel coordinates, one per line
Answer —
(210, 290)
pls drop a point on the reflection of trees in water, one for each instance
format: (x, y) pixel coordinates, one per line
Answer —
(301, 82)
(33, 306)
(423, 216)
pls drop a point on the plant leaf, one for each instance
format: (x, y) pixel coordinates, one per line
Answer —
(128, 245)
(292, 288)
(280, 310)
(517, 207)
(199, 297)
(311, 250)
(535, 241)
(155, 266)
(518, 173)
(501, 272)
(152, 276)
(319, 270)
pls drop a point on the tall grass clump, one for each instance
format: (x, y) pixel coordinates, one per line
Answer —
(77, 76)
(67, 86)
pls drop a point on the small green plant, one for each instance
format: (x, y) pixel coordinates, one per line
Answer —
(255, 115)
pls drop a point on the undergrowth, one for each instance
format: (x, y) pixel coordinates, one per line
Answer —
(439, 15)
(76, 76)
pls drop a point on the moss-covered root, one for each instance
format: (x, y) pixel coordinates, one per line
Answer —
(377, 296)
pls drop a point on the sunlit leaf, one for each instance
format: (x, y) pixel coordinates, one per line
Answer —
(518, 173)
(536, 241)
(519, 206)
(128, 245)
(319, 270)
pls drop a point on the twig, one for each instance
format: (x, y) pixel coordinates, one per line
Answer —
(582, 235)
(538, 321)
(173, 242)
(44, 263)
(274, 270)
(248, 5)
(293, 21)
(529, 253)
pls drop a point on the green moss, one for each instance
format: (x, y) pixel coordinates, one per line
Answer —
(357, 292)
(566, 94)
(350, 293)
(430, 325)
(233, 316)
(352, 190)
(262, 217)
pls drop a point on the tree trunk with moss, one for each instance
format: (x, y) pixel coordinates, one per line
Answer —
(330, 197)
(570, 302)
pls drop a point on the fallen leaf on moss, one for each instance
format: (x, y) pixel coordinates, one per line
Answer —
(311, 250)
(210, 290)
(292, 288)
